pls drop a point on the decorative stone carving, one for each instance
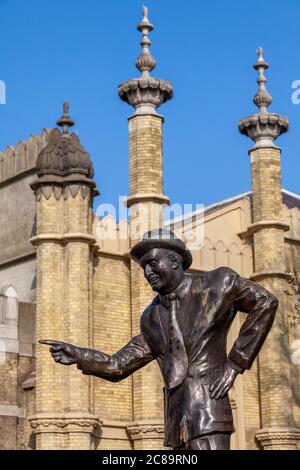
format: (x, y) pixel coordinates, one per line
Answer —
(145, 62)
(287, 438)
(64, 167)
(263, 128)
(63, 156)
(146, 430)
(145, 93)
(51, 423)
(262, 99)
(58, 191)
(293, 289)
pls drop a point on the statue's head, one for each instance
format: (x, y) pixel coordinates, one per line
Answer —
(164, 258)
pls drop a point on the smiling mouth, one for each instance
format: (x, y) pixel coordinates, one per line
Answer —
(153, 279)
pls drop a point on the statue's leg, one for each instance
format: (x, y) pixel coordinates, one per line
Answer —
(220, 441)
(200, 443)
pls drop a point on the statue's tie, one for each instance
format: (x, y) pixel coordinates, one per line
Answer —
(176, 362)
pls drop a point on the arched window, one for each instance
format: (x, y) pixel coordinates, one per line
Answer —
(8, 306)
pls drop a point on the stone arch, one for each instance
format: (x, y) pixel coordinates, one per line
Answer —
(221, 254)
(247, 260)
(235, 258)
(9, 310)
(208, 255)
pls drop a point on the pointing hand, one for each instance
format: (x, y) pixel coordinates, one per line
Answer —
(63, 353)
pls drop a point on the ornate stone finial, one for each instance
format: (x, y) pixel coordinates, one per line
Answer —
(63, 165)
(262, 99)
(65, 121)
(145, 13)
(145, 93)
(145, 62)
(263, 128)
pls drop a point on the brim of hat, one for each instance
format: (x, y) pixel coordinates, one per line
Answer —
(141, 248)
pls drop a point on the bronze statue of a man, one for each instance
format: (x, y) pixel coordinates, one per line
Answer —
(185, 329)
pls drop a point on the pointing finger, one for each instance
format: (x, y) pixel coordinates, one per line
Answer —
(51, 342)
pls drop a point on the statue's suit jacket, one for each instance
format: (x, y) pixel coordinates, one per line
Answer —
(208, 304)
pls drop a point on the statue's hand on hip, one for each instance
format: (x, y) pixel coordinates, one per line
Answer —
(63, 353)
(224, 382)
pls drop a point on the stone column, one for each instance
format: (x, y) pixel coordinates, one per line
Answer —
(64, 191)
(267, 229)
(146, 201)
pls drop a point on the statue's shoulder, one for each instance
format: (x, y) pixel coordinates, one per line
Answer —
(224, 271)
(216, 276)
(147, 313)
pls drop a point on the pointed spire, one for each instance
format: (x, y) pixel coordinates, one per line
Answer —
(263, 127)
(145, 93)
(145, 62)
(262, 99)
(65, 121)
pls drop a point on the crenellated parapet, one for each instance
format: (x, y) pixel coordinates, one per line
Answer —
(22, 158)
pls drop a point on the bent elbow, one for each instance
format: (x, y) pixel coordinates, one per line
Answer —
(274, 302)
(116, 378)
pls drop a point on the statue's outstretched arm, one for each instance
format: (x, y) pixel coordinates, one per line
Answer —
(133, 356)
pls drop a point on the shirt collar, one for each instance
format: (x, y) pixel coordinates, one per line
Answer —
(180, 292)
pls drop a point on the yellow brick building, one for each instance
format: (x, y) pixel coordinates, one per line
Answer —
(67, 275)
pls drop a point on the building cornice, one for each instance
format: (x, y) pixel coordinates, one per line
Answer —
(262, 224)
(146, 197)
(63, 239)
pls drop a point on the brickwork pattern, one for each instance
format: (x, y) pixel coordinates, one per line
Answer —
(26, 403)
(251, 405)
(266, 184)
(292, 306)
(8, 424)
(111, 331)
(145, 151)
(145, 168)
(63, 312)
(269, 255)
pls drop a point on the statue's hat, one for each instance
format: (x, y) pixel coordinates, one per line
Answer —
(162, 238)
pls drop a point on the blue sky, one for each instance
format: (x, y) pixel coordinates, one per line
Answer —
(80, 50)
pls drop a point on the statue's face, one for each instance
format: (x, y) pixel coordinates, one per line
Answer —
(159, 269)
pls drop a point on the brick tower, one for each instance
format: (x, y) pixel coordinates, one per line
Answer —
(146, 202)
(278, 430)
(64, 192)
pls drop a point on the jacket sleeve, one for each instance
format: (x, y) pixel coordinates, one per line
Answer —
(261, 306)
(133, 356)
